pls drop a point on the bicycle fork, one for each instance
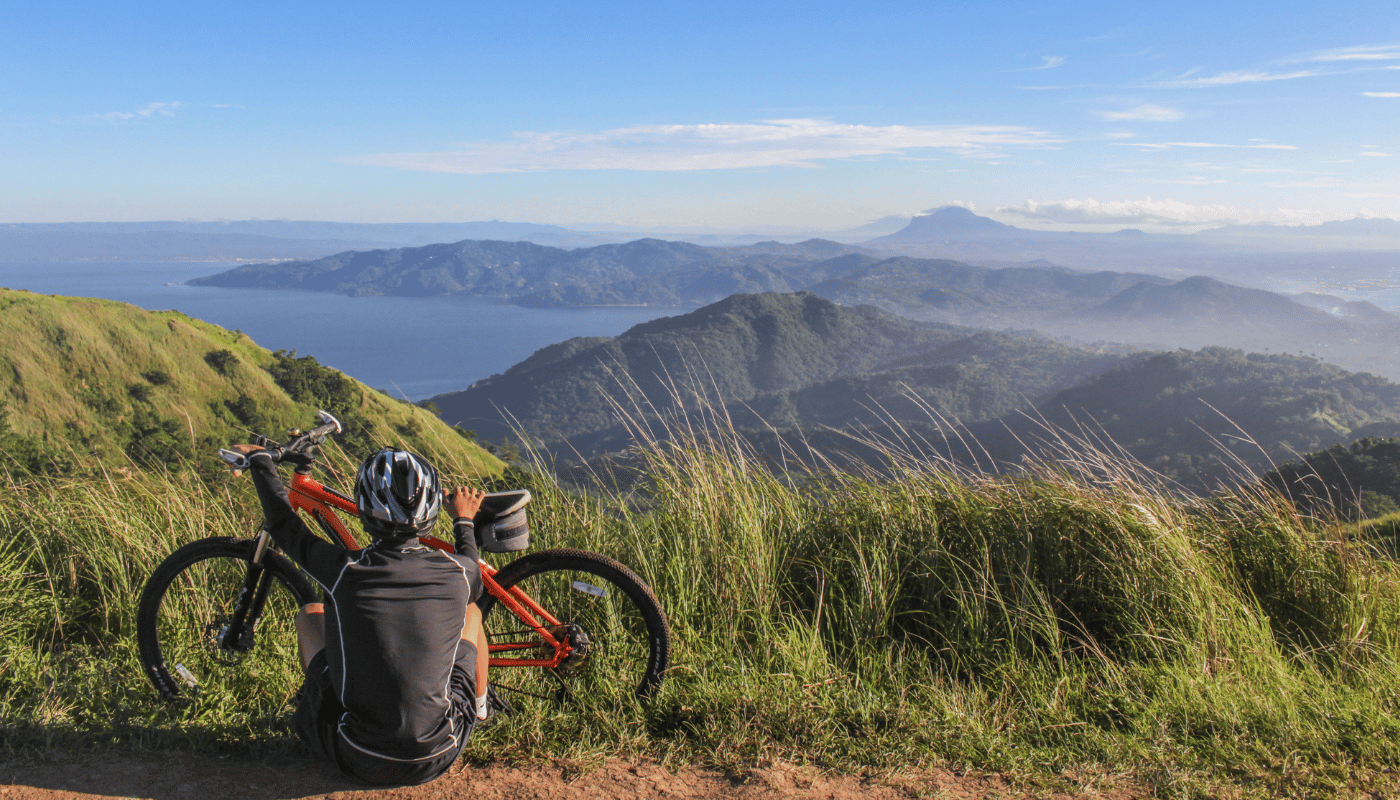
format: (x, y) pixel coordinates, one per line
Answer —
(239, 634)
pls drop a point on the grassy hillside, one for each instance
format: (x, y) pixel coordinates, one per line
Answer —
(86, 381)
(1070, 625)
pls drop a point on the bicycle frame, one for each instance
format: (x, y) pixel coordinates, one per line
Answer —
(316, 500)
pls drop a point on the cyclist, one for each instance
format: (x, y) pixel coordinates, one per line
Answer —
(395, 657)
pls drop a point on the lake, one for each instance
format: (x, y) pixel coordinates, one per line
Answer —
(412, 347)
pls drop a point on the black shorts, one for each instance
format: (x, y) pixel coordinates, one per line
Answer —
(316, 722)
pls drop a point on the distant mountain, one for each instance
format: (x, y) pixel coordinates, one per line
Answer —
(252, 239)
(1209, 416)
(1358, 227)
(398, 233)
(1146, 310)
(733, 350)
(1201, 311)
(947, 222)
(642, 272)
(889, 224)
(29, 245)
(801, 370)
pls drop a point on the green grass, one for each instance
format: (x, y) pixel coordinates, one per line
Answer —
(86, 383)
(1076, 619)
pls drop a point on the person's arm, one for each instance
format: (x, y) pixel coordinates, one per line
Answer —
(464, 504)
(320, 558)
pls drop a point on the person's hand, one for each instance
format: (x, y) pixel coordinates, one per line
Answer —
(464, 502)
(245, 450)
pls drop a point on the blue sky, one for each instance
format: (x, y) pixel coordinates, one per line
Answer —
(725, 115)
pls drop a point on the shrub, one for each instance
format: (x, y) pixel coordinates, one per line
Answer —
(222, 361)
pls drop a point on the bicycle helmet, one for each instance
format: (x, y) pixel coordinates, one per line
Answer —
(397, 494)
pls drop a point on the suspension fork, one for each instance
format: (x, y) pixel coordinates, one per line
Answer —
(239, 634)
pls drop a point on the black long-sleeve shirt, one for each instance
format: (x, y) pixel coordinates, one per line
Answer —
(394, 618)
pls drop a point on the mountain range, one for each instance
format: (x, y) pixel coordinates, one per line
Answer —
(1230, 252)
(1137, 308)
(799, 369)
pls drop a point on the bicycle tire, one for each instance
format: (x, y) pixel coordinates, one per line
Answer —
(629, 642)
(176, 631)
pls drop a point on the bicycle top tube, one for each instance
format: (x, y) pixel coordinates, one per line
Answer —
(315, 499)
(312, 497)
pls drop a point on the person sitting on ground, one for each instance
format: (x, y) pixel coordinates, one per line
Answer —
(395, 656)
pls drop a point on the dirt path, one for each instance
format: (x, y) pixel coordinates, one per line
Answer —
(184, 777)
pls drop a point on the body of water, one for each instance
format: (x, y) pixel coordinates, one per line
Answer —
(408, 346)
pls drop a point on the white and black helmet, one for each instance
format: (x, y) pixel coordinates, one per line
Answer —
(397, 494)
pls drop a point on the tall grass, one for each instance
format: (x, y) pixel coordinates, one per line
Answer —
(1077, 618)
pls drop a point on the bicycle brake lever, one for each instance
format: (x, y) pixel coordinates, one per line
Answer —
(234, 460)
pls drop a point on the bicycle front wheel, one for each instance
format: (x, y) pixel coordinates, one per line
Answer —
(211, 623)
(621, 638)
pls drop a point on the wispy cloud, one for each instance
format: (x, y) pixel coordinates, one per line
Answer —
(1369, 195)
(145, 112)
(1337, 61)
(1169, 145)
(1147, 113)
(1380, 94)
(1360, 52)
(679, 148)
(1150, 211)
(1376, 154)
(1046, 62)
(1185, 81)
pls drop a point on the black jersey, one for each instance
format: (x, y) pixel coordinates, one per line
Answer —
(394, 618)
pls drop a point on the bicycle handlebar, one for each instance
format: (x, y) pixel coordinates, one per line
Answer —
(297, 451)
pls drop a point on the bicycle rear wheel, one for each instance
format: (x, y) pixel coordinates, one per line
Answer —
(192, 601)
(601, 604)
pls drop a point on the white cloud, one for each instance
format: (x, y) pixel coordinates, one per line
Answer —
(1380, 94)
(1169, 145)
(1361, 52)
(1364, 195)
(1046, 62)
(1150, 211)
(1149, 113)
(1376, 154)
(677, 148)
(145, 112)
(1229, 78)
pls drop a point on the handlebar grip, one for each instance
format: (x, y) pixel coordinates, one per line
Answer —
(234, 460)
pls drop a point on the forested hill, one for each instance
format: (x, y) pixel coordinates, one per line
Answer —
(1208, 416)
(83, 379)
(736, 349)
(779, 359)
(797, 362)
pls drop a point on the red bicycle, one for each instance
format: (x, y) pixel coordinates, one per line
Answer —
(217, 616)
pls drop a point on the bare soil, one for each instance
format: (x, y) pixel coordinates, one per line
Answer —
(189, 777)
